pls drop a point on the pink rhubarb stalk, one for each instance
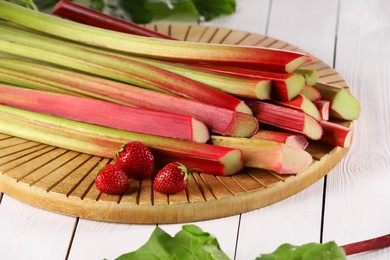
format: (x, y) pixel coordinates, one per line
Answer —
(82, 14)
(291, 139)
(287, 118)
(311, 93)
(303, 104)
(367, 245)
(105, 113)
(189, 52)
(323, 108)
(335, 134)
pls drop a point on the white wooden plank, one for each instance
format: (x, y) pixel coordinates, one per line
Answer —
(31, 233)
(358, 205)
(295, 220)
(308, 24)
(250, 15)
(224, 229)
(102, 240)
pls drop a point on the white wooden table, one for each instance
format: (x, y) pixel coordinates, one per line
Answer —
(352, 203)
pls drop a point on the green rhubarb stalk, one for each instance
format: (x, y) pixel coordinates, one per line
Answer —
(60, 52)
(103, 141)
(342, 104)
(311, 75)
(105, 113)
(311, 93)
(258, 57)
(269, 155)
(39, 76)
(237, 86)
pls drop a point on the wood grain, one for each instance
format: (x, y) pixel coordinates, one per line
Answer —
(63, 181)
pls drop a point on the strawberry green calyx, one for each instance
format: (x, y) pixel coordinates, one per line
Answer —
(258, 57)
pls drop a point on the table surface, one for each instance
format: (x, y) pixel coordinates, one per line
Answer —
(350, 204)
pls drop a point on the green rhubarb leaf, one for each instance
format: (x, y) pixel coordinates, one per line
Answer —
(327, 251)
(210, 9)
(189, 243)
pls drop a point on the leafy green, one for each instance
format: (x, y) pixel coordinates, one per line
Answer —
(308, 251)
(189, 243)
(146, 11)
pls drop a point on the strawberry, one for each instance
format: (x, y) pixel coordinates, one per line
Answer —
(136, 160)
(171, 179)
(112, 180)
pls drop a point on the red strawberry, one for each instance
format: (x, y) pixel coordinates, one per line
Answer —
(171, 179)
(136, 160)
(112, 180)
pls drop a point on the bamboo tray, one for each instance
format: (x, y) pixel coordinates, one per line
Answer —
(62, 181)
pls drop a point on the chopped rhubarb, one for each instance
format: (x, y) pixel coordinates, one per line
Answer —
(285, 86)
(304, 104)
(103, 141)
(82, 14)
(323, 107)
(91, 60)
(342, 104)
(105, 113)
(287, 118)
(190, 52)
(218, 120)
(311, 93)
(311, 75)
(335, 134)
(269, 155)
(292, 139)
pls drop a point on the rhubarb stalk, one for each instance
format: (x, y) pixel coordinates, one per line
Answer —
(105, 113)
(291, 139)
(303, 104)
(311, 93)
(103, 141)
(218, 120)
(19, 42)
(247, 56)
(342, 104)
(287, 118)
(335, 134)
(81, 14)
(311, 76)
(269, 155)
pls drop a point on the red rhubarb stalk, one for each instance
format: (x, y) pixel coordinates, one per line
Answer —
(189, 52)
(103, 141)
(335, 134)
(218, 120)
(287, 118)
(303, 104)
(82, 14)
(367, 245)
(311, 93)
(323, 108)
(105, 113)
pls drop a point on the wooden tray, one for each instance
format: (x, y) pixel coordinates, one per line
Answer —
(62, 181)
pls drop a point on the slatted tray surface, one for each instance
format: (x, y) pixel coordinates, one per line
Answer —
(60, 180)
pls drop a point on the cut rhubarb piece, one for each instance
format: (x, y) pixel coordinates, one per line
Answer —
(295, 140)
(311, 75)
(218, 120)
(105, 113)
(285, 86)
(103, 141)
(342, 104)
(311, 93)
(244, 87)
(81, 14)
(335, 134)
(190, 52)
(91, 60)
(287, 118)
(323, 107)
(304, 104)
(269, 155)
